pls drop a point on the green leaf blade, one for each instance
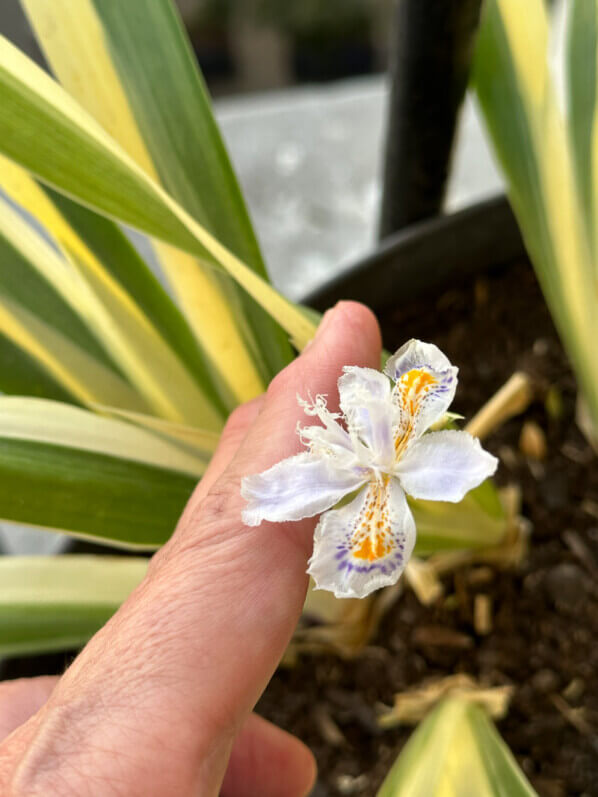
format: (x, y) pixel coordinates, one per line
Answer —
(155, 61)
(117, 501)
(44, 130)
(527, 128)
(56, 603)
(24, 284)
(456, 751)
(582, 41)
(118, 255)
(21, 375)
(478, 521)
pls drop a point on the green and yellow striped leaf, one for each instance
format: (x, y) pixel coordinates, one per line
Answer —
(111, 247)
(22, 375)
(456, 752)
(52, 603)
(45, 131)
(582, 52)
(33, 275)
(529, 132)
(68, 469)
(131, 66)
(43, 350)
(62, 424)
(200, 440)
(99, 302)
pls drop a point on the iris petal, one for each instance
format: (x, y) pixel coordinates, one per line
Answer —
(444, 466)
(425, 387)
(422, 397)
(416, 354)
(298, 487)
(366, 544)
(370, 414)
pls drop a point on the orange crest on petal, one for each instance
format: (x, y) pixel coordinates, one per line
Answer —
(372, 538)
(411, 390)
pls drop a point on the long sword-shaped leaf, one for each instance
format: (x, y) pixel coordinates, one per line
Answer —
(44, 130)
(91, 238)
(69, 470)
(159, 72)
(456, 752)
(82, 378)
(21, 375)
(47, 286)
(582, 52)
(86, 235)
(56, 603)
(130, 65)
(200, 440)
(61, 424)
(518, 100)
(90, 495)
(100, 302)
(210, 301)
(115, 252)
(35, 363)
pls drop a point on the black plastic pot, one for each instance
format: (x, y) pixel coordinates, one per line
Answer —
(318, 58)
(428, 257)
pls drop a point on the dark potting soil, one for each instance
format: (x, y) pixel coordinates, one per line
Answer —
(544, 614)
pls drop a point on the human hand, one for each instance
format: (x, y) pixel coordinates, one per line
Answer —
(159, 702)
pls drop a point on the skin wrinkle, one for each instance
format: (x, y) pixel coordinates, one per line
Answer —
(220, 524)
(38, 768)
(221, 509)
(247, 584)
(80, 778)
(78, 710)
(233, 434)
(80, 752)
(71, 711)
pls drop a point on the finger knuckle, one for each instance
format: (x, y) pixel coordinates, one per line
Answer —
(221, 506)
(214, 520)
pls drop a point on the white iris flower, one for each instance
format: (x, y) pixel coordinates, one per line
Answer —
(381, 451)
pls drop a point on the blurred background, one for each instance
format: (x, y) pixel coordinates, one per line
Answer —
(301, 93)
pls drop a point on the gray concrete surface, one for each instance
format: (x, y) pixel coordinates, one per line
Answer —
(309, 162)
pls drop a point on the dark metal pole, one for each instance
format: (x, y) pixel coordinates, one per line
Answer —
(430, 59)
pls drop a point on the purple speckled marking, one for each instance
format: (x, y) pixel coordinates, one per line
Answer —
(385, 566)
